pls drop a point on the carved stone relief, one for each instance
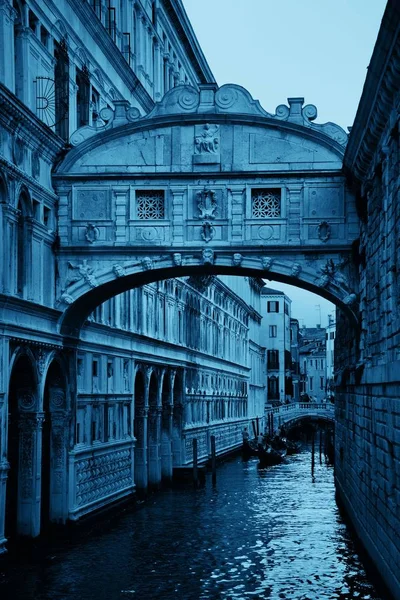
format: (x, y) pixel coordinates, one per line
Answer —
(207, 204)
(237, 259)
(83, 271)
(208, 256)
(177, 259)
(147, 263)
(119, 270)
(266, 262)
(324, 231)
(207, 231)
(207, 140)
(92, 233)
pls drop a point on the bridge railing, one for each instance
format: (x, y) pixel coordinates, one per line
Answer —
(287, 412)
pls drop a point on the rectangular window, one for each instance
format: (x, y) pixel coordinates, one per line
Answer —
(322, 383)
(332, 335)
(273, 359)
(311, 381)
(286, 309)
(82, 96)
(265, 203)
(272, 331)
(95, 365)
(150, 204)
(273, 306)
(311, 362)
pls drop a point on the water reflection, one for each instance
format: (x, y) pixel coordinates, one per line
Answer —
(273, 533)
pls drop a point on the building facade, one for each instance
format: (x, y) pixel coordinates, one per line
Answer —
(277, 335)
(312, 355)
(330, 357)
(157, 366)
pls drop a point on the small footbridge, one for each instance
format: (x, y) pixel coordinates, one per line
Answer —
(296, 413)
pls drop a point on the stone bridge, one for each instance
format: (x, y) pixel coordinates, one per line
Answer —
(290, 415)
(207, 183)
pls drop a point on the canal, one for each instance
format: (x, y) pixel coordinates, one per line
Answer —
(275, 534)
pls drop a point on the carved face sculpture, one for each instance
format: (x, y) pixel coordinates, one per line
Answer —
(177, 258)
(147, 263)
(296, 270)
(237, 259)
(266, 262)
(208, 256)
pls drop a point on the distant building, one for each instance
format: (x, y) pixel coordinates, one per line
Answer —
(312, 354)
(276, 332)
(294, 349)
(330, 355)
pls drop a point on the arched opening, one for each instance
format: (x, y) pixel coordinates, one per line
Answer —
(177, 415)
(140, 432)
(153, 434)
(22, 515)
(23, 245)
(166, 429)
(54, 449)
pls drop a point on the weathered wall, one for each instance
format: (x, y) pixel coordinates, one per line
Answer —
(368, 400)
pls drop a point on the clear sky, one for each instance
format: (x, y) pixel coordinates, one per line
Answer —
(317, 49)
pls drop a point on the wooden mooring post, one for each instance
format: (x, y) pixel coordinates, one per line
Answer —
(195, 469)
(312, 453)
(213, 460)
(320, 446)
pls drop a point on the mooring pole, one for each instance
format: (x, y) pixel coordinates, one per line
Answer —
(312, 452)
(320, 446)
(213, 460)
(195, 470)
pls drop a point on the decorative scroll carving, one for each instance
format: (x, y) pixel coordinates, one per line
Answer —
(207, 231)
(208, 141)
(324, 231)
(92, 233)
(207, 204)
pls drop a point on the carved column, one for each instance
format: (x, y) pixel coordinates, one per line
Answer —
(29, 473)
(154, 453)
(60, 420)
(22, 87)
(166, 442)
(141, 478)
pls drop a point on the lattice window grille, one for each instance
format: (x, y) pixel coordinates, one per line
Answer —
(150, 204)
(265, 203)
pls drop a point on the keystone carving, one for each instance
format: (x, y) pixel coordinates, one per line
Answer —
(118, 270)
(296, 270)
(147, 263)
(207, 204)
(237, 259)
(208, 256)
(266, 262)
(177, 259)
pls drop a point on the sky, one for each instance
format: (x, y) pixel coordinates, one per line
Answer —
(316, 49)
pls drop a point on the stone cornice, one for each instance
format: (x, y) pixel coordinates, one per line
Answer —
(381, 86)
(17, 117)
(33, 184)
(177, 14)
(111, 51)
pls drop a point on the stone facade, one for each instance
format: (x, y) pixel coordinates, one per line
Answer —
(368, 369)
(312, 355)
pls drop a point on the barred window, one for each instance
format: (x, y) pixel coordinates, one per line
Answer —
(150, 204)
(265, 203)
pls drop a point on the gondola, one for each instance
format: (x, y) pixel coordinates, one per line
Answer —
(269, 457)
(292, 447)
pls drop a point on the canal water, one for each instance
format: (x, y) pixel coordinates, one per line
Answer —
(274, 533)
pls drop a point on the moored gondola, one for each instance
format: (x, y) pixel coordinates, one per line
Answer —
(269, 457)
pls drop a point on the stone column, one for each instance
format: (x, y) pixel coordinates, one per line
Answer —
(154, 454)
(166, 442)
(141, 477)
(29, 473)
(121, 196)
(7, 16)
(157, 71)
(22, 87)
(60, 421)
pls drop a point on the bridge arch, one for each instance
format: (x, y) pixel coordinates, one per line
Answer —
(207, 183)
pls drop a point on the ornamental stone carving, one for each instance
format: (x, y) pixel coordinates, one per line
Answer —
(266, 262)
(207, 141)
(296, 270)
(118, 270)
(92, 233)
(324, 231)
(237, 259)
(208, 256)
(41, 358)
(207, 231)
(207, 204)
(147, 263)
(83, 271)
(177, 259)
